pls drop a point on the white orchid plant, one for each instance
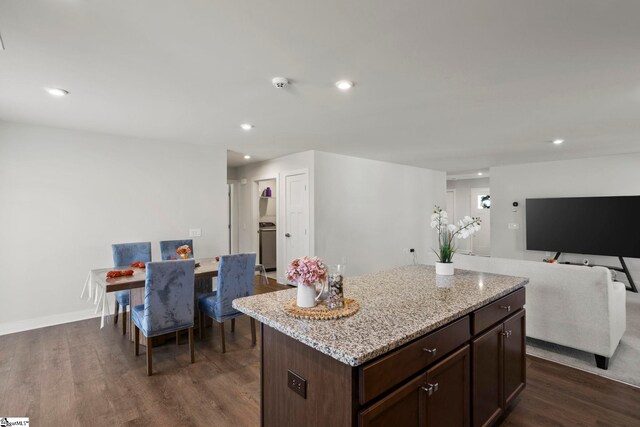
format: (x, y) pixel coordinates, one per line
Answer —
(447, 233)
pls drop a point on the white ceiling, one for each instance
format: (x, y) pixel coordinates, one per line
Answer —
(451, 85)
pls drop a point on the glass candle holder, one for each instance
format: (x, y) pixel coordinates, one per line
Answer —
(335, 282)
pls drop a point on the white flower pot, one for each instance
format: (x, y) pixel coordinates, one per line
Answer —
(444, 268)
(306, 296)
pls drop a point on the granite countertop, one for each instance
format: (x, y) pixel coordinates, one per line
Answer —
(396, 306)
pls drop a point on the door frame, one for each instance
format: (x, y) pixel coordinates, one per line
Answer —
(472, 204)
(282, 222)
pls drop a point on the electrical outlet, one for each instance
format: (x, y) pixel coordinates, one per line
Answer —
(412, 250)
(195, 232)
(297, 383)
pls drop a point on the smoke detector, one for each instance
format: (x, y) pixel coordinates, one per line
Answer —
(279, 82)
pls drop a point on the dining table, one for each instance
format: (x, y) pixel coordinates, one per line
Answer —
(97, 285)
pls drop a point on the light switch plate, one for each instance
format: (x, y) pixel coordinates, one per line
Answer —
(195, 232)
(514, 226)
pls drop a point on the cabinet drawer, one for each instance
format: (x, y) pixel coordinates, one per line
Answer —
(383, 374)
(497, 310)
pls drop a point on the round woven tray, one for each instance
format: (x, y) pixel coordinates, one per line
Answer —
(321, 312)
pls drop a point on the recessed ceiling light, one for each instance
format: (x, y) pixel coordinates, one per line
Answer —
(344, 84)
(54, 91)
(480, 174)
(246, 156)
(558, 141)
(246, 126)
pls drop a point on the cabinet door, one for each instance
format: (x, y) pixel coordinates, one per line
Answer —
(448, 391)
(487, 376)
(514, 356)
(403, 407)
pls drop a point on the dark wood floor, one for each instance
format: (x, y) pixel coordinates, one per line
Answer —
(78, 375)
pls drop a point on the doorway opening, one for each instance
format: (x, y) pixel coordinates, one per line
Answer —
(265, 217)
(468, 195)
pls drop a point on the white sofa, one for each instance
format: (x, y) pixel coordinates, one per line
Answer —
(574, 306)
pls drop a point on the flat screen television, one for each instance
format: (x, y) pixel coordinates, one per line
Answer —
(585, 225)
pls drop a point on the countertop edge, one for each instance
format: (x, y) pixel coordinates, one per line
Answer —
(363, 358)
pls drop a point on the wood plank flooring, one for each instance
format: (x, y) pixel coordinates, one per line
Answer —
(78, 375)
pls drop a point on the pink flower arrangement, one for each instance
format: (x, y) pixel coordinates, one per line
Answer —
(307, 271)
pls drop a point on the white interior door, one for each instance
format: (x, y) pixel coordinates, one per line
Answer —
(296, 216)
(480, 206)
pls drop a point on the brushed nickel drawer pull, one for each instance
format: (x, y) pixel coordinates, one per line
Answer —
(431, 351)
(506, 307)
(430, 388)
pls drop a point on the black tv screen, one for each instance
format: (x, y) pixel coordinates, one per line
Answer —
(585, 225)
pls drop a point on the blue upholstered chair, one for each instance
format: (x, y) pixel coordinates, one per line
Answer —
(168, 304)
(236, 275)
(168, 250)
(125, 254)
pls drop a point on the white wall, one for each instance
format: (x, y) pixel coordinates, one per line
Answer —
(248, 199)
(602, 176)
(369, 211)
(66, 196)
(463, 205)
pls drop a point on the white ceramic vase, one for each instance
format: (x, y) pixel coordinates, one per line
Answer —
(306, 296)
(444, 268)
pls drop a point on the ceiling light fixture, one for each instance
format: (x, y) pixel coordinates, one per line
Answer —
(246, 156)
(344, 84)
(57, 92)
(246, 126)
(558, 141)
(480, 174)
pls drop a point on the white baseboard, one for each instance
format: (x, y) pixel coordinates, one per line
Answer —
(42, 322)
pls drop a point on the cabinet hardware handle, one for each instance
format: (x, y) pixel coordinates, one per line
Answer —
(429, 389)
(508, 334)
(504, 334)
(431, 351)
(287, 235)
(506, 307)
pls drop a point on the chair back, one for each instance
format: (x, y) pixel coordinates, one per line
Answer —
(168, 248)
(125, 254)
(168, 296)
(236, 275)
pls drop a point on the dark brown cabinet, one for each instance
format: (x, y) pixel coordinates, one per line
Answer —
(498, 368)
(447, 391)
(403, 407)
(440, 397)
(465, 373)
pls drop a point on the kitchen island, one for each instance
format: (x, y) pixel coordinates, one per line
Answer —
(422, 350)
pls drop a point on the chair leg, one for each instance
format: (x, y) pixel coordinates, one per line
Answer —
(136, 340)
(233, 325)
(222, 336)
(124, 320)
(200, 324)
(149, 355)
(253, 331)
(177, 338)
(115, 315)
(192, 346)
